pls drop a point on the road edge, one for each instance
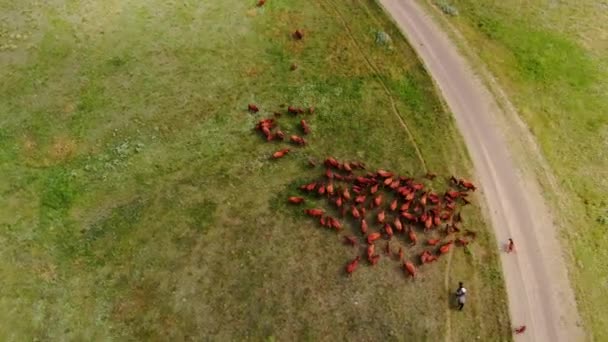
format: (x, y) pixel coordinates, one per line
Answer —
(530, 159)
(522, 174)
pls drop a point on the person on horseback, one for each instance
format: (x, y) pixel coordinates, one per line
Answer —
(510, 246)
(461, 293)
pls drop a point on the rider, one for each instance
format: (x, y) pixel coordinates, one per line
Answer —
(520, 329)
(461, 293)
(510, 246)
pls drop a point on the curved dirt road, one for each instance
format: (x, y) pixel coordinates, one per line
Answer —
(536, 277)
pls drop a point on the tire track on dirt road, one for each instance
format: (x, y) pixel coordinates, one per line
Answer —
(538, 288)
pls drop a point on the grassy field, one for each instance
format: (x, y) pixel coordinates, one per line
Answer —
(552, 59)
(137, 203)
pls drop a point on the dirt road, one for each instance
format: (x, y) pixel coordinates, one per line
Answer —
(537, 282)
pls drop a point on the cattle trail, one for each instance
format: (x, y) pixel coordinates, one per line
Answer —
(448, 318)
(384, 87)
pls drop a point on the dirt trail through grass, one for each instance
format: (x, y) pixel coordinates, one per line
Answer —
(379, 77)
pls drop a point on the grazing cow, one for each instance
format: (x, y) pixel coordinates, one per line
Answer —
(279, 135)
(352, 266)
(280, 153)
(398, 225)
(374, 259)
(346, 194)
(305, 127)
(374, 189)
(351, 240)
(393, 205)
(330, 188)
(389, 230)
(253, 108)
(370, 251)
(445, 247)
(373, 237)
(381, 216)
(363, 227)
(355, 212)
(409, 268)
(295, 200)
(467, 184)
(297, 140)
(314, 212)
(384, 174)
(432, 242)
(294, 110)
(412, 236)
(378, 200)
(331, 162)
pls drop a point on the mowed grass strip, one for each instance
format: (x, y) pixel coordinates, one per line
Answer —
(139, 204)
(552, 61)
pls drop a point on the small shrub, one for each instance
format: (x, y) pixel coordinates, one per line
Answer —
(467, 251)
(603, 219)
(447, 8)
(382, 38)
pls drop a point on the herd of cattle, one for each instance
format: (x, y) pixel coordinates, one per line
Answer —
(380, 204)
(393, 204)
(383, 205)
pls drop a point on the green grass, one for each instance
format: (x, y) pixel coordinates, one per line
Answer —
(137, 203)
(553, 66)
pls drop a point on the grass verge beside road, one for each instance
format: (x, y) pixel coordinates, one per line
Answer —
(552, 62)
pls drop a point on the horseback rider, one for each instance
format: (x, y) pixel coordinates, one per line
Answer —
(461, 293)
